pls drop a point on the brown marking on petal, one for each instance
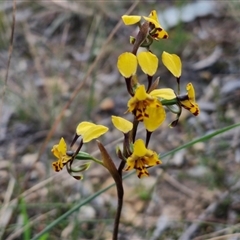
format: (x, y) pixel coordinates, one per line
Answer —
(155, 35)
(196, 112)
(56, 167)
(165, 36)
(187, 108)
(139, 117)
(141, 173)
(127, 168)
(158, 162)
(159, 29)
(146, 115)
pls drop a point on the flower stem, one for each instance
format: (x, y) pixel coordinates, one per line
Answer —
(120, 193)
(134, 130)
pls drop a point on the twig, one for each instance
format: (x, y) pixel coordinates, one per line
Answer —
(217, 233)
(5, 211)
(210, 209)
(194, 226)
(187, 191)
(227, 236)
(71, 6)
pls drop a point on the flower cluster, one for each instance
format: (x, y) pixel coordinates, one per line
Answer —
(147, 103)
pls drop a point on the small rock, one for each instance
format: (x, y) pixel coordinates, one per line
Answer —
(198, 171)
(86, 212)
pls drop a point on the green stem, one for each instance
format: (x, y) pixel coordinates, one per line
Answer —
(97, 161)
(79, 157)
(169, 102)
(178, 82)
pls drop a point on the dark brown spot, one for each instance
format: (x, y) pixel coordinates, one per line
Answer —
(196, 112)
(159, 29)
(78, 177)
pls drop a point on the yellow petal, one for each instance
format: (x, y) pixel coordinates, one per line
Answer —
(190, 103)
(191, 92)
(153, 160)
(84, 127)
(140, 93)
(55, 151)
(191, 106)
(148, 62)
(173, 63)
(139, 148)
(130, 164)
(127, 64)
(153, 21)
(90, 131)
(62, 146)
(59, 149)
(159, 33)
(130, 19)
(156, 117)
(195, 110)
(165, 93)
(122, 124)
(153, 15)
(94, 132)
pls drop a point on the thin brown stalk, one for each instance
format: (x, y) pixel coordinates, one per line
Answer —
(120, 193)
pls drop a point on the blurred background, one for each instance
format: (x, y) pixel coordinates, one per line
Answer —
(63, 71)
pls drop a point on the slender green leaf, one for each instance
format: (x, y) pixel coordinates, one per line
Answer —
(201, 139)
(23, 209)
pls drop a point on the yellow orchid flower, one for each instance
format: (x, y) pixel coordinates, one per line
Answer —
(173, 63)
(148, 108)
(142, 158)
(190, 103)
(122, 124)
(127, 63)
(156, 30)
(90, 131)
(60, 152)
